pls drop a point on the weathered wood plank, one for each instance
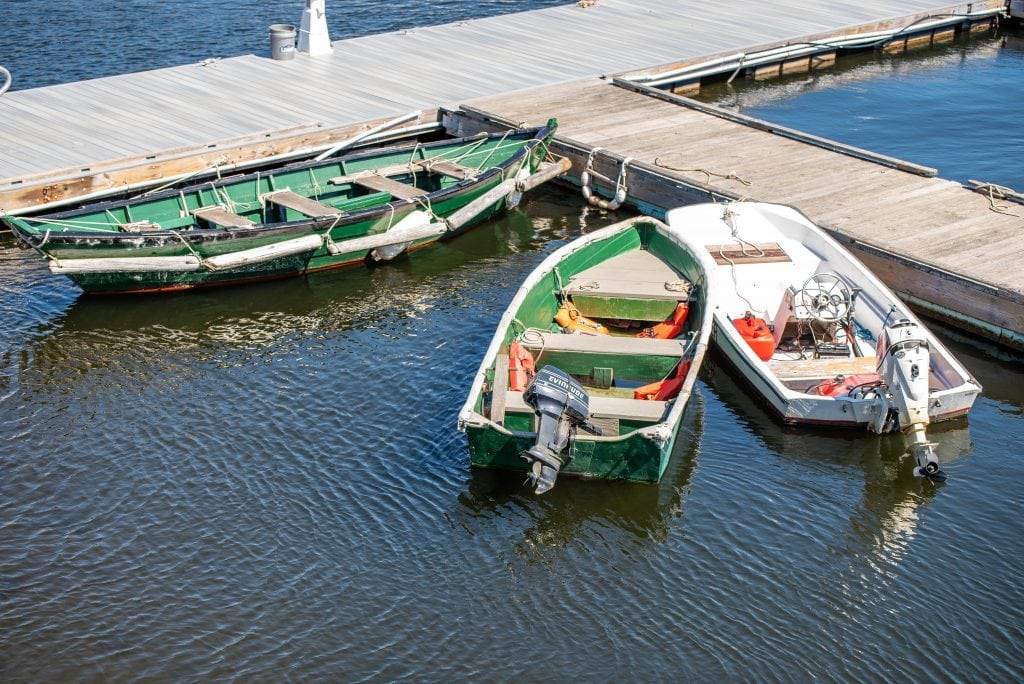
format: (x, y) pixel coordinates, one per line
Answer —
(303, 205)
(384, 184)
(643, 410)
(223, 217)
(499, 389)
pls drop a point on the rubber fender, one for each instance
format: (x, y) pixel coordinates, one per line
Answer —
(671, 326)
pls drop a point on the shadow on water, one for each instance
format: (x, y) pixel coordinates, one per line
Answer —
(563, 515)
(996, 367)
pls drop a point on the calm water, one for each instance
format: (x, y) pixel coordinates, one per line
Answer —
(265, 482)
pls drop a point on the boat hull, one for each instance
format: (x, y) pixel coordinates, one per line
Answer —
(809, 371)
(639, 435)
(636, 458)
(332, 214)
(310, 261)
(802, 409)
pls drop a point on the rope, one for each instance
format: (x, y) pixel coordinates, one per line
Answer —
(202, 262)
(214, 167)
(994, 192)
(621, 189)
(732, 175)
(532, 337)
(729, 217)
(588, 285)
(678, 286)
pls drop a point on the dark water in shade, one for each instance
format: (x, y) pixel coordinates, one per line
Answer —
(265, 483)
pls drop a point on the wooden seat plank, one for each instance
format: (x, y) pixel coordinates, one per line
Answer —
(637, 274)
(384, 184)
(392, 170)
(447, 168)
(499, 391)
(222, 217)
(644, 410)
(303, 205)
(606, 344)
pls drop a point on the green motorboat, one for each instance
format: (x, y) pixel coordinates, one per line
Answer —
(593, 363)
(300, 218)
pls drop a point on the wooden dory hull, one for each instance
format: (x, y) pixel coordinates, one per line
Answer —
(309, 262)
(144, 261)
(641, 450)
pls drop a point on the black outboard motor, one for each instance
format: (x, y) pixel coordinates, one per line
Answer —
(562, 405)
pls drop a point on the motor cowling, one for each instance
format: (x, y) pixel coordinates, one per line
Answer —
(562, 406)
(904, 366)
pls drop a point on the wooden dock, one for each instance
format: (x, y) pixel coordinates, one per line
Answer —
(936, 243)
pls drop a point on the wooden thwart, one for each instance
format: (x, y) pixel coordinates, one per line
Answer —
(222, 217)
(303, 205)
(642, 410)
(447, 168)
(764, 253)
(606, 344)
(385, 184)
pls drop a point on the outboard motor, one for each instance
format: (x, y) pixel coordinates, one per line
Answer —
(903, 365)
(562, 406)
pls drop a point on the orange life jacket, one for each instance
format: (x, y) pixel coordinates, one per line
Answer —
(671, 327)
(666, 389)
(569, 317)
(521, 367)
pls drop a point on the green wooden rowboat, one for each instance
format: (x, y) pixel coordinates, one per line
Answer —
(629, 281)
(304, 217)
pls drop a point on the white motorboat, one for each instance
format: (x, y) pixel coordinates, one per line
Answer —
(816, 334)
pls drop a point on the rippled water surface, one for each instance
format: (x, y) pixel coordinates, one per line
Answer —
(265, 483)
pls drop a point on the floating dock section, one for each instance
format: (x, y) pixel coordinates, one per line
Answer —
(613, 73)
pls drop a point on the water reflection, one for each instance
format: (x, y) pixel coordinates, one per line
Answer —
(885, 514)
(576, 511)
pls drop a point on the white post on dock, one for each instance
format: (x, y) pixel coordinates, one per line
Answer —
(313, 36)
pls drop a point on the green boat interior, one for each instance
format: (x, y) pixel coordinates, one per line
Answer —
(305, 191)
(616, 305)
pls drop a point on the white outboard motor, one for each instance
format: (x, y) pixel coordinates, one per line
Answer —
(903, 365)
(561, 405)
